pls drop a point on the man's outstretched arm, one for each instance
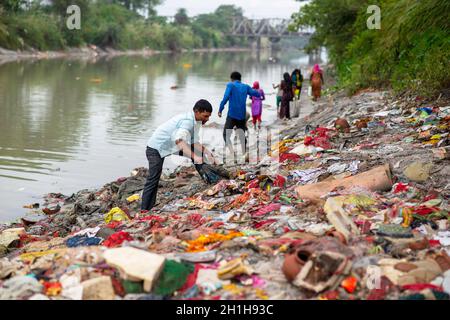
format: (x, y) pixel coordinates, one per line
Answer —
(187, 152)
(201, 149)
(225, 99)
(253, 92)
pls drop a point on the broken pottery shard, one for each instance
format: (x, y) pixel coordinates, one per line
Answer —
(100, 288)
(377, 179)
(136, 264)
(339, 218)
(324, 270)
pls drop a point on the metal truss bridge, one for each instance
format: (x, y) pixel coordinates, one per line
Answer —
(271, 28)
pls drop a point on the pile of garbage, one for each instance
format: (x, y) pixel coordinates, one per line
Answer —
(352, 203)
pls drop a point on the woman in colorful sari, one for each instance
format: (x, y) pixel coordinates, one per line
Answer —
(297, 81)
(316, 79)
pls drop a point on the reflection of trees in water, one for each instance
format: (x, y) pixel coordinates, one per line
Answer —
(54, 122)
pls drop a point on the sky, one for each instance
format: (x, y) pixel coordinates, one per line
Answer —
(252, 8)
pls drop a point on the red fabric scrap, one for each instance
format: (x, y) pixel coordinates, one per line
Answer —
(400, 187)
(253, 184)
(289, 156)
(331, 295)
(118, 287)
(267, 209)
(191, 278)
(430, 197)
(376, 294)
(417, 287)
(114, 224)
(262, 223)
(308, 140)
(217, 225)
(196, 219)
(116, 239)
(423, 210)
(320, 131)
(153, 218)
(279, 181)
(322, 142)
(434, 243)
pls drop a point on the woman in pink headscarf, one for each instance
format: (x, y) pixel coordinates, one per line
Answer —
(257, 105)
(316, 79)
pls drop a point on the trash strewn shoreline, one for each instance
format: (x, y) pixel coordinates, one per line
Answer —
(354, 209)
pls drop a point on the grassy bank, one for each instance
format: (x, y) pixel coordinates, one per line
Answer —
(109, 24)
(411, 51)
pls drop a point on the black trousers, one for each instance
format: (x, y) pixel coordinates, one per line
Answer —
(155, 165)
(230, 124)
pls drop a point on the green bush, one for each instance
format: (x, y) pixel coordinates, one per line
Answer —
(38, 30)
(410, 52)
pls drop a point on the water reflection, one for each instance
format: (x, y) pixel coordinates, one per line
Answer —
(72, 124)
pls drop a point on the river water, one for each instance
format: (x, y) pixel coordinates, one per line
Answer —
(68, 124)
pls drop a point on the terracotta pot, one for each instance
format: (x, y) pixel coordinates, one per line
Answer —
(294, 262)
(443, 260)
(342, 125)
(419, 245)
(338, 235)
(361, 124)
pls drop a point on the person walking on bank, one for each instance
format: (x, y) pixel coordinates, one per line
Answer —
(297, 82)
(177, 136)
(257, 105)
(316, 79)
(286, 86)
(279, 96)
(236, 94)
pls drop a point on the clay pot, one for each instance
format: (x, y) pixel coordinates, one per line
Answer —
(361, 124)
(338, 235)
(443, 260)
(342, 125)
(294, 262)
(419, 245)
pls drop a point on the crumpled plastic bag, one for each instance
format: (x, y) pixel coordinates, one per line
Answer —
(212, 174)
(116, 214)
(233, 268)
(20, 287)
(133, 198)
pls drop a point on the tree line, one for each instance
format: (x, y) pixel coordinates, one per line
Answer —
(410, 51)
(118, 24)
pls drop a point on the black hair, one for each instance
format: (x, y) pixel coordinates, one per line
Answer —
(203, 105)
(236, 76)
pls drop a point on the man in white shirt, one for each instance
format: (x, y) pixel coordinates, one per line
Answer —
(179, 136)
